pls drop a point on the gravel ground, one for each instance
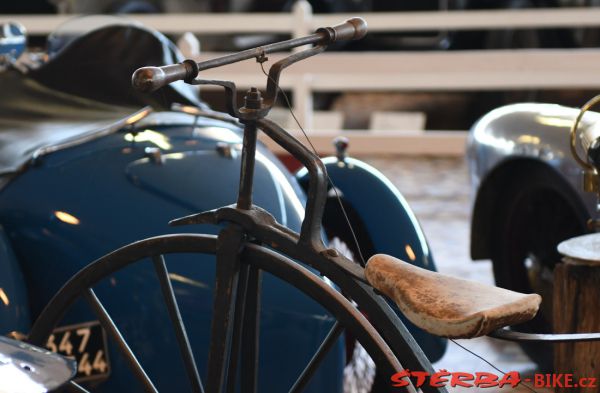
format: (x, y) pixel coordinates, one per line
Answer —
(438, 191)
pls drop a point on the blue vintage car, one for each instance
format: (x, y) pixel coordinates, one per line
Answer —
(87, 165)
(528, 197)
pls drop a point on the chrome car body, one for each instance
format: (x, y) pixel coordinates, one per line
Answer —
(528, 196)
(510, 141)
(29, 369)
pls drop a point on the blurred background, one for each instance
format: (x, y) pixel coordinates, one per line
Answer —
(424, 65)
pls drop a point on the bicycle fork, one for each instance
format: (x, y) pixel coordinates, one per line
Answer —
(235, 322)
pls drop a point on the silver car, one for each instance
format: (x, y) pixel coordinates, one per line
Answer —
(528, 197)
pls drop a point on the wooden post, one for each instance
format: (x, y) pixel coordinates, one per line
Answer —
(577, 310)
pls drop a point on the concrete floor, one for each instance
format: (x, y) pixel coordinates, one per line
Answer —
(439, 192)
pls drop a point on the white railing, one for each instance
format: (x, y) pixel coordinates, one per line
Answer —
(302, 21)
(394, 71)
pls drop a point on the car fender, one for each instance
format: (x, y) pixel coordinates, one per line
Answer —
(515, 140)
(14, 306)
(390, 226)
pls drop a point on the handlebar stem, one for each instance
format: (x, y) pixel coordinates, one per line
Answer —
(247, 166)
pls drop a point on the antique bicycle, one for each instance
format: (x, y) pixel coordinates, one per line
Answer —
(251, 244)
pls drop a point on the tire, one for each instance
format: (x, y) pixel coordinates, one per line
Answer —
(539, 210)
(360, 374)
(253, 256)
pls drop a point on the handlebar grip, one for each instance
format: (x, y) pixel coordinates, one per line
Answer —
(149, 79)
(352, 29)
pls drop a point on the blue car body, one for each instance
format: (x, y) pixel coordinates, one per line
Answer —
(94, 177)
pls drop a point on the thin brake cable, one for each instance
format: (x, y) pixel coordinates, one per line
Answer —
(489, 363)
(335, 190)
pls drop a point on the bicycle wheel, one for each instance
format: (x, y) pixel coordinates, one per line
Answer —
(255, 259)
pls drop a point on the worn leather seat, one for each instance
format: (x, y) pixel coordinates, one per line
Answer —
(448, 306)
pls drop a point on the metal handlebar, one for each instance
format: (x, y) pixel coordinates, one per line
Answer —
(148, 79)
(256, 107)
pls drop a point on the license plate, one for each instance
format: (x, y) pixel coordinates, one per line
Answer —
(86, 343)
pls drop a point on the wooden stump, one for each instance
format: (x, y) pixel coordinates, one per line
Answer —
(577, 310)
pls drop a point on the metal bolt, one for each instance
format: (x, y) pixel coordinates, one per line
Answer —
(253, 99)
(225, 150)
(154, 154)
(332, 252)
(341, 144)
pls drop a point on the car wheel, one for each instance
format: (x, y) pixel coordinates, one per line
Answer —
(539, 211)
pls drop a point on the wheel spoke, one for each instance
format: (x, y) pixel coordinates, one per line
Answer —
(250, 341)
(112, 329)
(177, 322)
(75, 388)
(313, 365)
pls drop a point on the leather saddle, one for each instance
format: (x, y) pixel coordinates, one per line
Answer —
(447, 306)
